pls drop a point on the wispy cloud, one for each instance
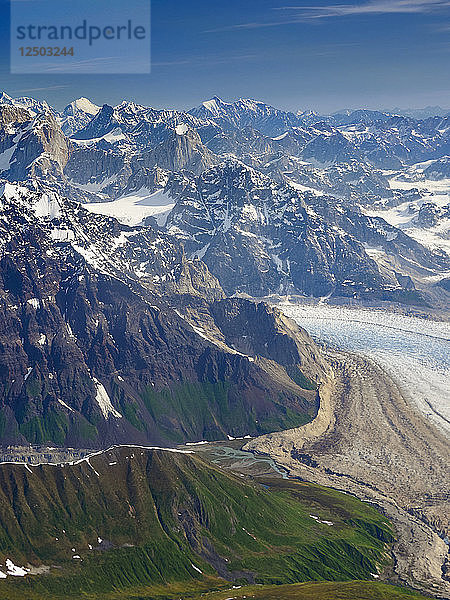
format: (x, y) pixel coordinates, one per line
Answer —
(206, 60)
(40, 89)
(301, 14)
(373, 7)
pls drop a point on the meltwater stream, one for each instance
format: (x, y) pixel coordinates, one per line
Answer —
(414, 351)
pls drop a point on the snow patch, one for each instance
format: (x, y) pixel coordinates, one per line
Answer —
(132, 209)
(14, 570)
(34, 302)
(62, 235)
(5, 158)
(197, 443)
(47, 206)
(181, 129)
(104, 402)
(65, 405)
(196, 568)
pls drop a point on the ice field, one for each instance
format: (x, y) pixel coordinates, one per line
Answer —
(414, 351)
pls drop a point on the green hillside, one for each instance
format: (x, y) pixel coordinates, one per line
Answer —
(151, 523)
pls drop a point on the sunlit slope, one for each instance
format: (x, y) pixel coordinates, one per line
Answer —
(132, 519)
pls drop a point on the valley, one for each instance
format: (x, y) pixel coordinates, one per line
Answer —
(369, 440)
(224, 352)
(414, 351)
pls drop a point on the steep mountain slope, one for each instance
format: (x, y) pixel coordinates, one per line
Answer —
(131, 517)
(110, 334)
(77, 115)
(260, 237)
(119, 146)
(401, 259)
(31, 146)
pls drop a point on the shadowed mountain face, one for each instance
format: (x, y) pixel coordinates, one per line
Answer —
(110, 334)
(130, 517)
(259, 237)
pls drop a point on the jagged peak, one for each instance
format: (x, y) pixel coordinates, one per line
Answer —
(214, 103)
(5, 99)
(131, 107)
(237, 168)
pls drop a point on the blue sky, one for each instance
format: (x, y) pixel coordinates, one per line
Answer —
(292, 54)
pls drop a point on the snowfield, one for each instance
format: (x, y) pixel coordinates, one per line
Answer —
(134, 208)
(404, 215)
(414, 351)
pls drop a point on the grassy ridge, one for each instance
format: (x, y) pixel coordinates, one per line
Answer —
(197, 590)
(162, 514)
(352, 590)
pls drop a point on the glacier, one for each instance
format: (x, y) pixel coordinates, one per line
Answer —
(413, 350)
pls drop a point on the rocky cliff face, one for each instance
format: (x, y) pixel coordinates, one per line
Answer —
(32, 146)
(99, 343)
(260, 237)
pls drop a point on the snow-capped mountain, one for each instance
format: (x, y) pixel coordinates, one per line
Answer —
(77, 115)
(136, 156)
(31, 145)
(34, 106)
(135, 122)
(262, 237)
(350, 117)
(438, 169)
(102, 325)
(422, 113)
(247, 113)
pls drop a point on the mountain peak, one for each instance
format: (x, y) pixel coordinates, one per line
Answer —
(5, 99)
(86, 105)
(130, 107)
(214, 103)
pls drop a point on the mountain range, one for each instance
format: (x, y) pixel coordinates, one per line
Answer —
(109, 331)
(141, 250)
(107, 318)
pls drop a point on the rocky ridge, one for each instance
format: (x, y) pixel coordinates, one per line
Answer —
(104, 325)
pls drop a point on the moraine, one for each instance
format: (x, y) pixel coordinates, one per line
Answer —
(415, 351)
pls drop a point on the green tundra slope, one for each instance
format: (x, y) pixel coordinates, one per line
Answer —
(351, 590)
(136, 523)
